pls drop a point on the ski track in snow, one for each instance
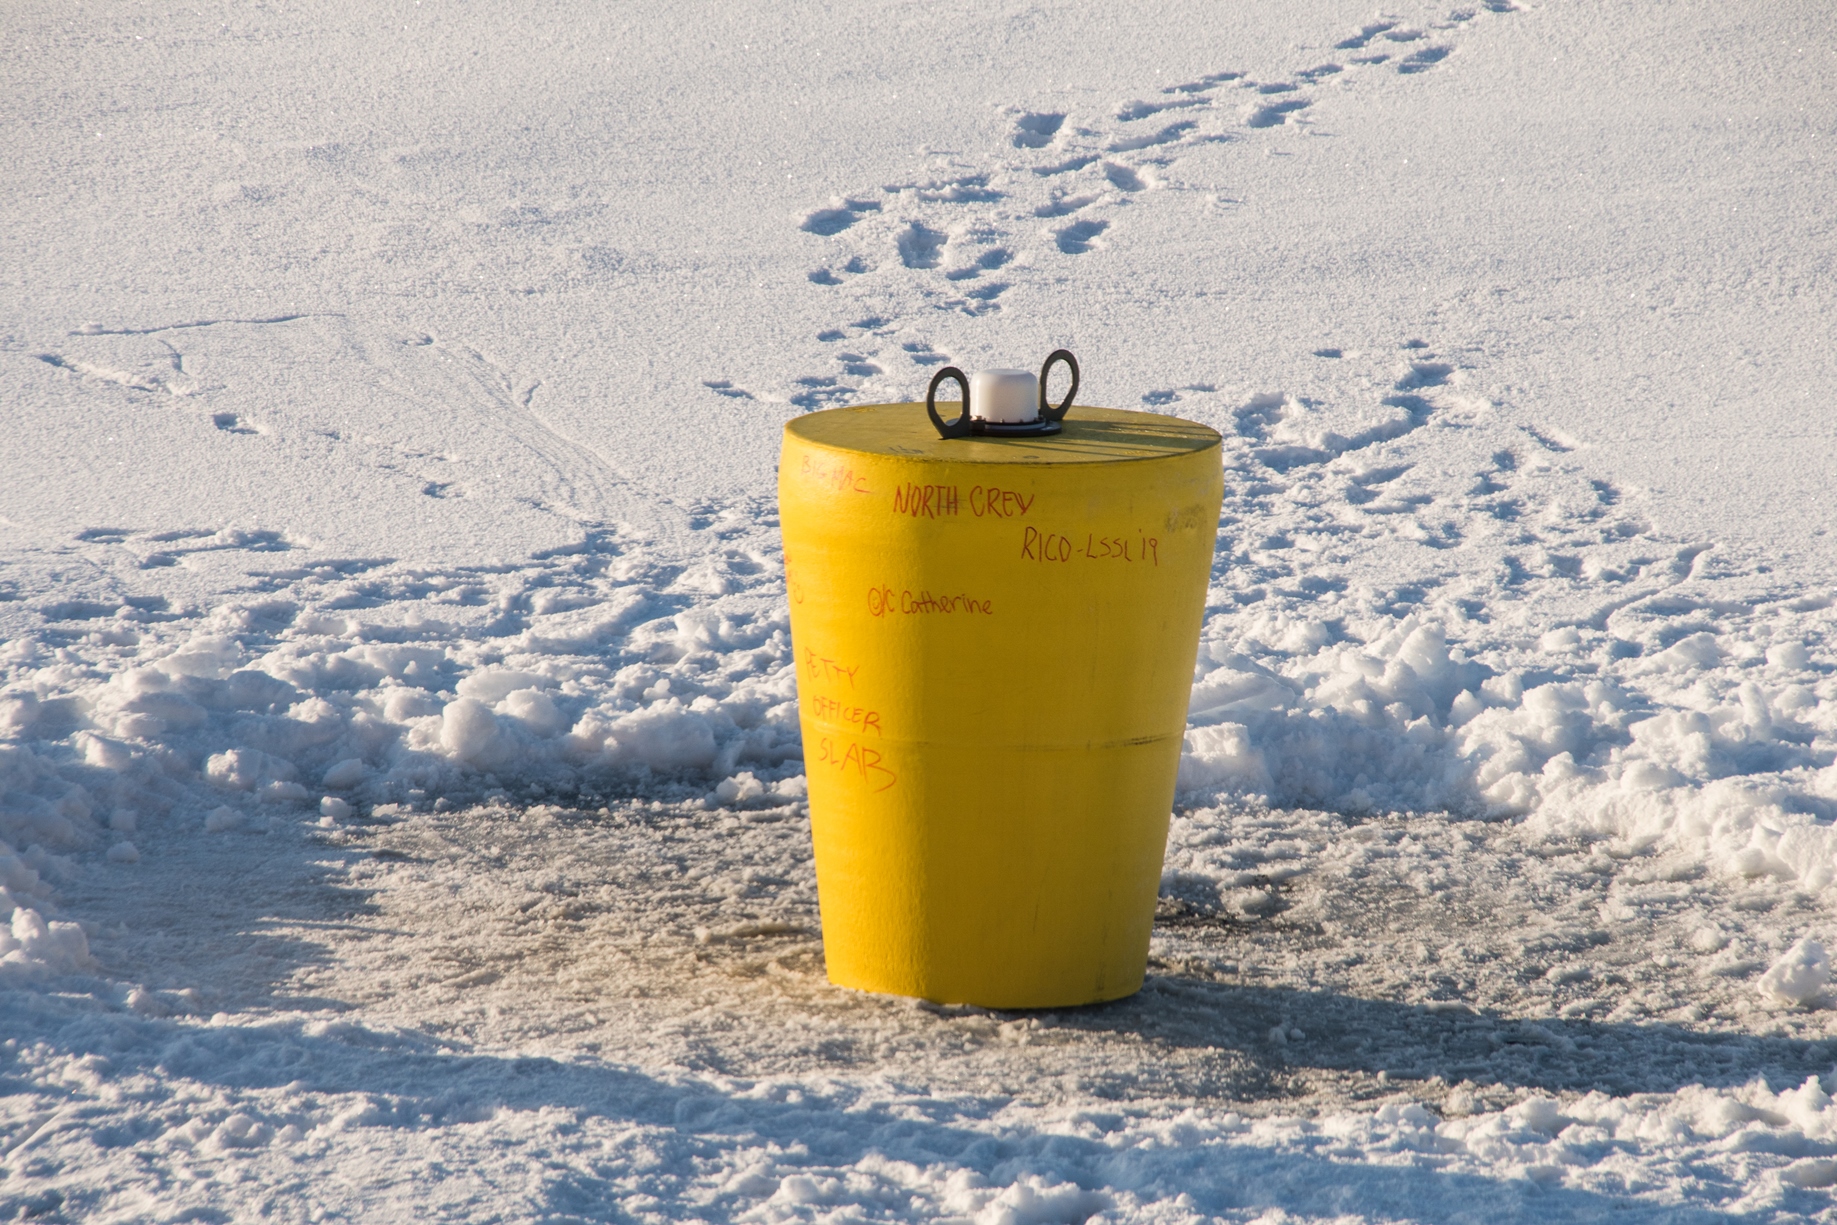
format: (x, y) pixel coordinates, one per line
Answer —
(435, 389)
(1480, 769)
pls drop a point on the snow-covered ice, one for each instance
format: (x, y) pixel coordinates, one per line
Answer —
(401, 794)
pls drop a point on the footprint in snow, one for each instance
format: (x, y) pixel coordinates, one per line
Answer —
(1488, 483)
(872, 323)
(1123, 178)
(725, 387)
(1363, 38)
(1157, 399)
(1167, 135)
(988, 261)
(1130, 112)
(1423, 60)
(924, 354)
(1261, 414)
(970, 189)
(1204, 84)
(829, 222)
(821, 391)
(1416, 410)
(854, 267)
(1035, 131)
(919, 245)
(1069, 166)
(1062, 205)
(1425, 374)
(1078, 237)
(1276, 113)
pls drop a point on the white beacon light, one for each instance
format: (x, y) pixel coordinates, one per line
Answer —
(1003, 403)
(1006, 397)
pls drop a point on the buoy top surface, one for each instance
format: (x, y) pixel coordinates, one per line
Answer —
(1090, 436)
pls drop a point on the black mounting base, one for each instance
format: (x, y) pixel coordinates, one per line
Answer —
(1020, 429)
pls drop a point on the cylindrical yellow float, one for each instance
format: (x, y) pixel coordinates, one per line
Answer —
(995, 642)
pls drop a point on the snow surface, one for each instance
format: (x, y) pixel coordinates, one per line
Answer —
(401, 796)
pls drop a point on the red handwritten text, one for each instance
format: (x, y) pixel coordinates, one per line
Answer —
(859, 717)
(1045, 546)
(988, 501)
(847, 755)
(1140, 547)
(1051, 546)
(823, 668)
(839, 477)
(884, 600)
(925, 501)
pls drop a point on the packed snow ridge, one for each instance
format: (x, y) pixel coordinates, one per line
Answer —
(1660, 703)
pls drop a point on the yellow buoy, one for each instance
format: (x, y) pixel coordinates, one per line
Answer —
(995, 642)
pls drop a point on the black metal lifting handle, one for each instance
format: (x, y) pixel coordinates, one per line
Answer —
(1047, 411)
(961, 427)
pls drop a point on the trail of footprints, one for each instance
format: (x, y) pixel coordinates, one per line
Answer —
(1330, 490)
(960, 242)
(1334, 475)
